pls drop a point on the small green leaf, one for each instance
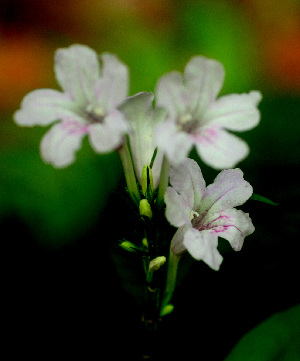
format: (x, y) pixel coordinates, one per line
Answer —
(259, 198)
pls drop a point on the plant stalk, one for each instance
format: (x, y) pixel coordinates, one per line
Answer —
(173, 262)
(130, 178)
(163, 182)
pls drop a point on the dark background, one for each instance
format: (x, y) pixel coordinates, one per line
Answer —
(62, 293)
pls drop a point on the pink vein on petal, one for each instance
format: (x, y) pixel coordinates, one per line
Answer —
(205, 136)
(218, 228)
(74, 128)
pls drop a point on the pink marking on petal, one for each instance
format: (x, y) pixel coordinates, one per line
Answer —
(217, 228)
(73, 127)
(222, 217)
(223, 228)
(205, 226)
(220, 229)
(206, 135)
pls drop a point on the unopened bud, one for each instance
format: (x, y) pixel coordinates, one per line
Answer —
(156, 263)
(147, 180)
(145, 242)
(145, 208)
(128, 246)
(166, 310)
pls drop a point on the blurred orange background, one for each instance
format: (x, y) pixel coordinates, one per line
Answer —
(30, 31)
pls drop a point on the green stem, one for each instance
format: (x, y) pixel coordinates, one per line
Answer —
(151, 309)
(131, 182)
(171, 278)
(149, 277)
(150, 323)
(163, 182)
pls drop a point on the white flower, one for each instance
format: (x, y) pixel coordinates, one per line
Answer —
(202, 214)
(88, 105)
(197, 118)
(142, 118)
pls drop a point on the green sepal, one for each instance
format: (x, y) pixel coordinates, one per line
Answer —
(147, 182)
(153, 158)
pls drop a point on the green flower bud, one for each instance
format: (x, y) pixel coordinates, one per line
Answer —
(156, 263)
(145, 208)
(166, 310)
(128, 246)
(145, 242)
(147, 181)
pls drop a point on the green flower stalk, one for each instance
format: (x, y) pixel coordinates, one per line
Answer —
(154, 265)
(173, 262)
(164, 181)
(132, 187)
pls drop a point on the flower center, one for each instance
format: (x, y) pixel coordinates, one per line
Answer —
(95, 113)
(194, 215)
(186, 122)
(185, 118)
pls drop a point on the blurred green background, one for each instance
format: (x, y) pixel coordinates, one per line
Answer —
(58, 225)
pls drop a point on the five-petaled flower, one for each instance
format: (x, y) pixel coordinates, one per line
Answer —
(202, 214)
(197, 118)
(88, 105)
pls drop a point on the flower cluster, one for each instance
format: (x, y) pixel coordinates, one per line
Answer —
(156, 141)
(96, 103)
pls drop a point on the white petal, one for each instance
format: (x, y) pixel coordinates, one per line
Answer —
(220, 149)
(143, 118)
(44, 106)
(203, 79)
(228, 190)
(175, 144)
(237, 112)
(59, 145)
(177, 209)
(109, 135)
(188, 181)
(170, 94)
(203, 246)
(177, 247)
(113, 86)
(77, 71)
(233, 225)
